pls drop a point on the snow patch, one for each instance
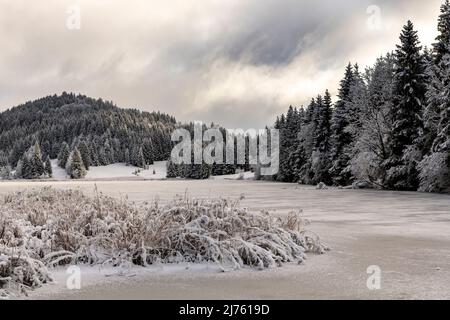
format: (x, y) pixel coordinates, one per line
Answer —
(157, 171)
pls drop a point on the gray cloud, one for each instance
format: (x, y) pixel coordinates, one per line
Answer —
(237, 63)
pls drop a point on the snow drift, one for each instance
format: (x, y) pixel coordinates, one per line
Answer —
(44, 228)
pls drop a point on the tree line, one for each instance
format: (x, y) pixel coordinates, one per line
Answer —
(389, 128)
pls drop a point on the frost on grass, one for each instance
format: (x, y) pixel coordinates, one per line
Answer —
(44, 228)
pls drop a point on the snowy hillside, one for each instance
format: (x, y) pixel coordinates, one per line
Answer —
(157, 171)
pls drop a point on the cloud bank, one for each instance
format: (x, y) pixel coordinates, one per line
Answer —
(236, 63)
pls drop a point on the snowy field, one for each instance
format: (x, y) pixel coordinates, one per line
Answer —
(405, 234)
(118, 171)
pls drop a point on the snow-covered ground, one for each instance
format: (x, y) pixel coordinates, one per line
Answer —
(237, 176)
(119, 171)
(406, 234)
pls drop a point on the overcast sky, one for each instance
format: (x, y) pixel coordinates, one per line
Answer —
(238, 63)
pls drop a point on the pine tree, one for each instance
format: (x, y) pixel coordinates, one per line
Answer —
(306, 145)
(443, 39)
(289, 127)
(27, 171)
(48, 167)
(140, 159)
(435, 167)
(85, 154)
(320, 157)
(341, 139)
(172, 170)
(36, 161)
(31, 165)
(102, 157)
(431, 116)
(75, 167)
(357, 103)
(409, 96)
(436, 69)
(127, 157)
(63, 155)
(147, 150)
(93, 151)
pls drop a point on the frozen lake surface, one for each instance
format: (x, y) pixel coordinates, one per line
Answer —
(406, 234)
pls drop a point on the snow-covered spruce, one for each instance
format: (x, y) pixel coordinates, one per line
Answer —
(43, 228)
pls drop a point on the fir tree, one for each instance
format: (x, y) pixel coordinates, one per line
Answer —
(75, 167)
(27, 171)
(85, 154)
(306, 145)
(289, 127)
(48, 167)
(436, 69)
(341, 138)
(434, 169)
(409, 96)
(127, 157)
(140, 159)
(320, 156)
(63, 155)
(443, 39)
(172, 170)
(37, 164)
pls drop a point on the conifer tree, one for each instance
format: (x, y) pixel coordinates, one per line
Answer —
(127, 157)
(85, 154)
(289, 127)
(443, 39)
(140, 159)
(435, 167)
(27, 171)
(75, 167)
(409, 96)
(36, 161)
(48, 167)
(341, 138)
(436, 69)
(306, 145)
(172, 170)
(63, 155)
(320, 157)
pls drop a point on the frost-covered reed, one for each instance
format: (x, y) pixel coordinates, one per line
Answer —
(44, 228)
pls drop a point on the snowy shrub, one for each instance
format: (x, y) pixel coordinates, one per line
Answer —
(321, 186)
(46, 227)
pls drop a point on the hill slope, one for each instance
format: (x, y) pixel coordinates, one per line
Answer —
(111, 134)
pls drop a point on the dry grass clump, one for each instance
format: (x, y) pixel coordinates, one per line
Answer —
(47, 227)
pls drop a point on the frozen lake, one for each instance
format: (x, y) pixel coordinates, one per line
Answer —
(406, 234)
